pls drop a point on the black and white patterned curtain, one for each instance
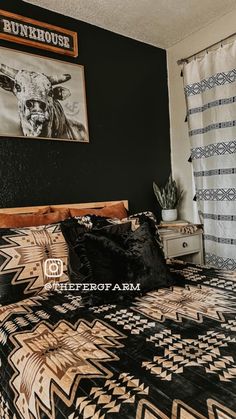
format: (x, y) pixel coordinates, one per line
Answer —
(210, 90)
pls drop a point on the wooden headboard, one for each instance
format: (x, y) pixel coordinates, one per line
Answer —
(24, 210)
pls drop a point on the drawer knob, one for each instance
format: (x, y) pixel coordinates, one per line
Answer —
(185, 244)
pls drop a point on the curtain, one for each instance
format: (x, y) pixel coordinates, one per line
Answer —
(210, 91)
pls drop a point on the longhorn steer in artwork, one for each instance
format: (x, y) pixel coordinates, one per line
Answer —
(38, 95)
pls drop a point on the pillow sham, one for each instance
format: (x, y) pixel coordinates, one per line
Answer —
(32, 219)
(111, 211)
(19, 215)
(43, 210)
(23, 252)
(137, 219)
(59, 209)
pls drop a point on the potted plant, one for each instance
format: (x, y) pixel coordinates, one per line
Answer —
(168, 198)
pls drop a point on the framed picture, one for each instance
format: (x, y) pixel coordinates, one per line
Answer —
(41, 98)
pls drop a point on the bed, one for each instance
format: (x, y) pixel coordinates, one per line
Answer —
(170, 353)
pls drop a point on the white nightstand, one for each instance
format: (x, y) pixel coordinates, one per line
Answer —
(184, 246)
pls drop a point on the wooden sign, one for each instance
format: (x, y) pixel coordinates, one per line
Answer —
(23, 30)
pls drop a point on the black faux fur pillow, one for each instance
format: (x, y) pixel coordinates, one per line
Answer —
(132, 257)
(146, 262)
(107, 258)
(101, 252)
(79, 269)
(80, 260)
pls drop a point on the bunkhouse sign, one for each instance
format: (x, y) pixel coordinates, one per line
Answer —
(23, 30)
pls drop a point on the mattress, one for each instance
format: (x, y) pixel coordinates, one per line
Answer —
(168, 354)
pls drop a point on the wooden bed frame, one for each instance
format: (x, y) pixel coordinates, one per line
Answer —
(25, 210)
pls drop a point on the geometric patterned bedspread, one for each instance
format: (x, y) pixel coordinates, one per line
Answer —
(169, 354)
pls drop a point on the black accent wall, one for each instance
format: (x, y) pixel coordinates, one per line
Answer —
(127, 100)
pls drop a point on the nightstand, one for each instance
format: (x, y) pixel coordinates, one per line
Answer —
(184, 246)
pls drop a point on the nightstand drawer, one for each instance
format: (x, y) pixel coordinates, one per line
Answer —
(183, 245)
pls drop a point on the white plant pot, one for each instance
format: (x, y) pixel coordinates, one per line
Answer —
(169, 214)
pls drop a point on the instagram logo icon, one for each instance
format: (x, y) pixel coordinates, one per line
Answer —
(53, 268)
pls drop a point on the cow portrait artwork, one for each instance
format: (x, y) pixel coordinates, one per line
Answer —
(42, 100)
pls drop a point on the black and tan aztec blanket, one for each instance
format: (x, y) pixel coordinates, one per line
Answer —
(168, 354)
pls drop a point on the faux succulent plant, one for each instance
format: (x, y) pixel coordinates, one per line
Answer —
(169, 196)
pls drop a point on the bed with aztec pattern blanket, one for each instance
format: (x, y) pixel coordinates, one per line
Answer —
(168, 354)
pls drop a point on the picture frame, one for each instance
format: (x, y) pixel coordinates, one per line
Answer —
(42, 98)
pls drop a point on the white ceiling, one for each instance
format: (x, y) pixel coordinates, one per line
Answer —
(158, 22)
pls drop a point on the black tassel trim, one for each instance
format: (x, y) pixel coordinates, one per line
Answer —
(190, 159)
(195, 198)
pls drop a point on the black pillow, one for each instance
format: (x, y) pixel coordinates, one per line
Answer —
(134, 257)
(100, 252)
(107, 258)
(147, 265)
(78, 265)
(74, 230)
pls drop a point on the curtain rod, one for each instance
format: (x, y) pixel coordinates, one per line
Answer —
(185, 60)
